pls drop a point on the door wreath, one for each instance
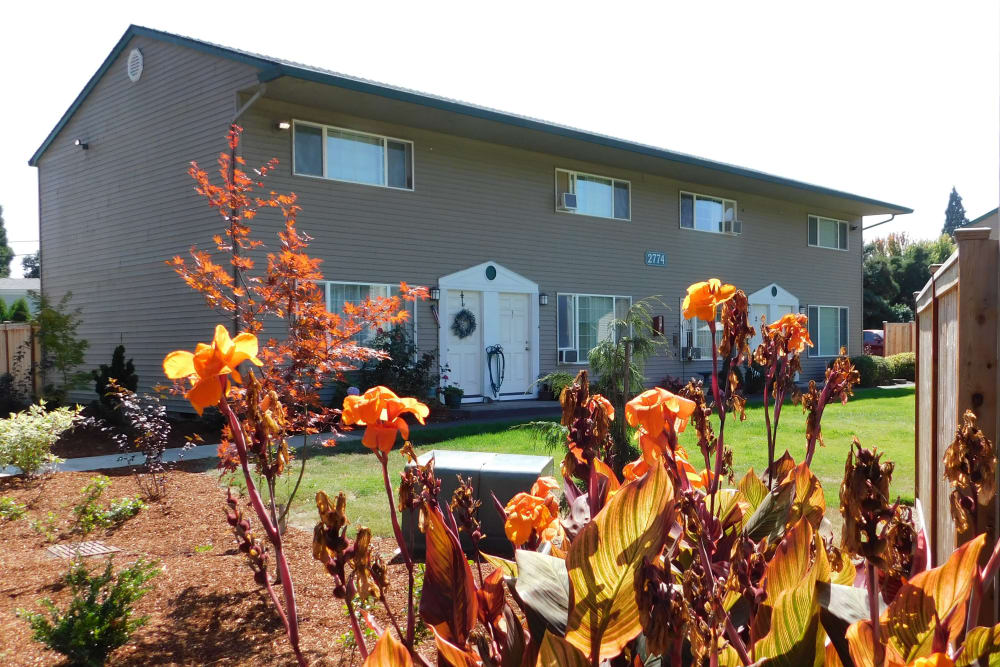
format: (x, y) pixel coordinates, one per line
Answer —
(464, 323)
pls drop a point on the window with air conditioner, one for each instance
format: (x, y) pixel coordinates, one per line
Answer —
(340, 293)
(696, 337)
(827, 233)
(584, 320)
(828, 330)
(341, 154)
(709, 214)
(597, 196)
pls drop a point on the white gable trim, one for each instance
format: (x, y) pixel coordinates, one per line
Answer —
(474, 278)
(774, 295)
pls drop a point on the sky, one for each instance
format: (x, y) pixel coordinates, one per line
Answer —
(894, 100)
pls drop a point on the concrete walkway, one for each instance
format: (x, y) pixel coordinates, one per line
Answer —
(111, 461)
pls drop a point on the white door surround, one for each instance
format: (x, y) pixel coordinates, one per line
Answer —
(489, 326)
(772, 301)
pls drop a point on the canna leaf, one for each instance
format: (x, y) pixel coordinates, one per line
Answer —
(932, 597)
(808, 502)
(861, 642)
(557, 652)
(450, 655)
(754, 491)
(832, 658)
(604, 558)
(448, 602)
(981, 643)
(388, 653)
(768, 520)
(509, 567)
(543, 586)
(840, 607)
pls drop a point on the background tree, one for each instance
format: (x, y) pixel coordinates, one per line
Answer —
(62, 351)
(954, 215)
(894, 267)
(31, 265)
(6, 252)
(19, 311)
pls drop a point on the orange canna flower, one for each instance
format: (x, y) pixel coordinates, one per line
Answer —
(634, 470)
(208, 363)
(934, 660)
(794, 328)
(703, 298)
(380, 411)
(651, 409)
(525, 513)
(544, 486)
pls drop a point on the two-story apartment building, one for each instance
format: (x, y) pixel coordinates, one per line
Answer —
(541, 231)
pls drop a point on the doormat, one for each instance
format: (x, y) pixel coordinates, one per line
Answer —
(80, 550)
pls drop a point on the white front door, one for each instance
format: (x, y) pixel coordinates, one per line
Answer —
(771, 312)
(514, 313)
(465, 355)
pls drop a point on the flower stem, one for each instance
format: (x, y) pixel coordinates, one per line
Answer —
(403, 550)
(877, 647)
(359, 637)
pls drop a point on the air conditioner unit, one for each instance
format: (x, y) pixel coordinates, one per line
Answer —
(730, 226)
(691, 353)
(567, 201)
(568, 356)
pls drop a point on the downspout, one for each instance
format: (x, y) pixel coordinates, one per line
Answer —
(232, 174)
(891, 218)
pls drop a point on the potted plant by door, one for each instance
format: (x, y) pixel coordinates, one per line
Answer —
(453, 395)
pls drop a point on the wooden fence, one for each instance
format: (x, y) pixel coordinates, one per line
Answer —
(956, 351)
(19, 356)
(899, 337)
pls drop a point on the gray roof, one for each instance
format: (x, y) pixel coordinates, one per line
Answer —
(270, 68)
(14, 284)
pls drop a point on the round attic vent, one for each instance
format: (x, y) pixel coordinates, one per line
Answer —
(134, 65)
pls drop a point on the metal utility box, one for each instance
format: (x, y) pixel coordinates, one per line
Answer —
(503, 475)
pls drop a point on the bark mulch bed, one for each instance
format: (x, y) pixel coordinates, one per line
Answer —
(90, 441)
(204, 608)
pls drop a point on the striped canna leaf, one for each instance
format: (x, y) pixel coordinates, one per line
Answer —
(603, 560)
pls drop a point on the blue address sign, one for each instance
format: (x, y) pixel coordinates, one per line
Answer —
(655, 258)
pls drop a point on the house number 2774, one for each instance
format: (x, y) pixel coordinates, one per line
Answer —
(656, 258)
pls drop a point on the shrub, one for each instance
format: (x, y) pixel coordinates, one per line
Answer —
(119, 370)
(4, 317)
(404, 369)
(62, 351)
(99, 618)
(11, 510)
(12, 395)
(89, 515)
(26, 438)
(19, 311)
(903, 365)
(874, 371)
(557, 381)
(671, 383)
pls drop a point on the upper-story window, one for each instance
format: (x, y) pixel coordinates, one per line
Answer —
(347, 155)
(709, 214)
(827, 233)
(589, 194)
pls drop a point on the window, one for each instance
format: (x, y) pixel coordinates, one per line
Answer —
(696, 337)
(827, 233)
(355, 157)
(339, 293)
(709, 214)
(584, 320)
(828, 330)
(598, 196)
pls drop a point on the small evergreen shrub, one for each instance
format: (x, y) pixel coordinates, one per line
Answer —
(26, 438)
(404, 369)
(99, 618)
(874, 371)
(19, 311)
(557, 381)
(123, 372)
(11, 510)
(4, 317)
(903, 365)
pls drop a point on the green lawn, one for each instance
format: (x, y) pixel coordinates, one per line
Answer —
(879, 417)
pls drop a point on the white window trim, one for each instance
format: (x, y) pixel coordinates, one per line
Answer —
(826, 247)
(576, 324)
(385, 149)
(680, 214)
(575, 172)
(389, 287)
(816, 344)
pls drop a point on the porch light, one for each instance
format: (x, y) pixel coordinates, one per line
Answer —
(282, 125)
(435, 294)
(81, 143)
(543, 299)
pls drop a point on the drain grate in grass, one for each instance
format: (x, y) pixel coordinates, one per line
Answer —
(80, 550)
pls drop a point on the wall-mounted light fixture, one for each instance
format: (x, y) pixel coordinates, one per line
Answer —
(282, 125)
(435, 294)
(543, 299)
(81, 143)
